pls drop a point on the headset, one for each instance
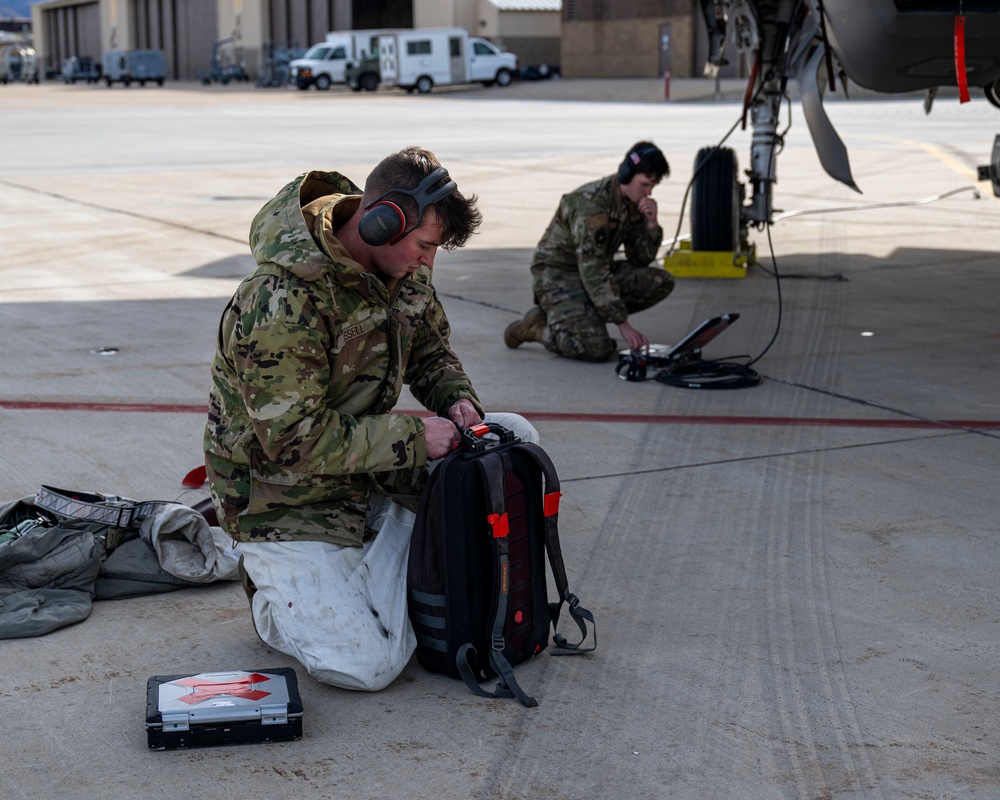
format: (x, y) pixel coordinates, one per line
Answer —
(385, 223)
(646, 151)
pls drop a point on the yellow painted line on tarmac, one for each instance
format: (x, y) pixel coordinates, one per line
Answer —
(985, 187)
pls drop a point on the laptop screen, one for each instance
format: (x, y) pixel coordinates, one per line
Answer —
(691, 344)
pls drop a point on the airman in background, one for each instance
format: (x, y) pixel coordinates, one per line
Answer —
(579, 284)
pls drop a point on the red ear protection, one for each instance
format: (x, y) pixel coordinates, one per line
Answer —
(382, 222)
(385, 223)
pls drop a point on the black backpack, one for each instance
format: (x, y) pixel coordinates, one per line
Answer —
(477, 579)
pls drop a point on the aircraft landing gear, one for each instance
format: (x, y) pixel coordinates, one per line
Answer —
(716, 201)
(718, 246)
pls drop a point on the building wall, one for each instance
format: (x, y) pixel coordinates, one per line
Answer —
(370, 14)
(532, 35)
(529, 23)
(72, 29)
(623, 39)
(185, 30)
(626, 48)
(532, 50)
(487, 23)
(302, 23)
(244, 22)
(443, 14)
(593, 10)
(116, 25)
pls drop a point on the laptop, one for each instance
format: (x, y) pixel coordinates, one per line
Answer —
(634, 365)
(689, 348)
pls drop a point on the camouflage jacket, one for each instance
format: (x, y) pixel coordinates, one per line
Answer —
(311, 358)
(578, 247)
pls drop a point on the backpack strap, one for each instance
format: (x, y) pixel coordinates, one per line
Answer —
(508, 686)
(491, 467)
(468, 675)
(578, 613)
(118, 512)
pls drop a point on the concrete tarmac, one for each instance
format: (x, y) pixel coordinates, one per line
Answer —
(794, 584)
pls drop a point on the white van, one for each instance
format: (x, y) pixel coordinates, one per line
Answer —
(323, 64)
(423, 58)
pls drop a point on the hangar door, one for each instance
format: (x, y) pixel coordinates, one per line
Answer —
(184, 30)
(71, 31)
(299, 24)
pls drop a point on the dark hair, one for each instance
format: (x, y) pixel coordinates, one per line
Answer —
(458, 215)
(645, 158)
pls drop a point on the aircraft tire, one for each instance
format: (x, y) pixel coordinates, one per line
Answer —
(992, 92)
(715, 201)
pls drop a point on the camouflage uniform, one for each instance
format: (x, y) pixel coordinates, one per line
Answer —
(311, 358)
(576, 279)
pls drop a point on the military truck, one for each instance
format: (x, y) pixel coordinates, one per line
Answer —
(363, 74)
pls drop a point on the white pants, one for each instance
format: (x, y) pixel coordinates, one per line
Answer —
(341, 611)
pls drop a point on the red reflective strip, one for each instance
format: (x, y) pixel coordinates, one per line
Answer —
(550, 504)
(479, 430)
(960, 76)
(205, 690)
(499, 525)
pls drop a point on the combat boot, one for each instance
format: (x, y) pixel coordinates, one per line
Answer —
(529, 329)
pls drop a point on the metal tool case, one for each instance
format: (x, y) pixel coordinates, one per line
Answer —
(216, 708)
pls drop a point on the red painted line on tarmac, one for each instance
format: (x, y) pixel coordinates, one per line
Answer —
(149, 408)
(827, 422)
(553, 416)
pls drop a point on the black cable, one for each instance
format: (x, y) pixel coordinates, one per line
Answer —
(777, 287)
(698, 168)
(718, 374)
(725, 373)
